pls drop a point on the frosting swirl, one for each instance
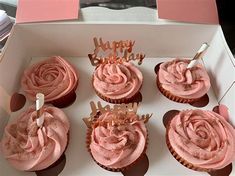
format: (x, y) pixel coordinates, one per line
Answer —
(117, 146)
(203, 138)
(117, 80)
(180, 81)
(30, 148)
(53, 77)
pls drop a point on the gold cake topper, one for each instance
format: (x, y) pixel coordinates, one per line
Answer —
(116, 51)
(120, 110)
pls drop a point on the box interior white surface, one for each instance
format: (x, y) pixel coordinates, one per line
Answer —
(75, 41)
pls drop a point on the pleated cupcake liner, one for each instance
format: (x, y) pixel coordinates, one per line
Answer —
(180, 159)
(115, 101)
(174, 97)
(65, 100)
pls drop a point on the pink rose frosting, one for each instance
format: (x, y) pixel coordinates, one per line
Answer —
(30, 148)
(117, 80)
(120, 144)
(180, 81)
(203, 138)
(54, 77)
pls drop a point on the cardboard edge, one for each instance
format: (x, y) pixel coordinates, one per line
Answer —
(173, 18)
(223, 100)
(226, 46)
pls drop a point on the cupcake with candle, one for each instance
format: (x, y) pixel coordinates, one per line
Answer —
(36, 139)
(182, 80)
(117, 137)
(116, 79)
(55, 78)
(201, 140)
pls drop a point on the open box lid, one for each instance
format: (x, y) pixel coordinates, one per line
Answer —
(46, 10)
(202, 11)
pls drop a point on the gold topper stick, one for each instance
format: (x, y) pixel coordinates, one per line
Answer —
(93, 109)
(146, 117)
(87, 121)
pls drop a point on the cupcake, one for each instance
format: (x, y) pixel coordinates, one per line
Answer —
(117, 82)
(117, 139)
(180, 84)
(201, 140)
(28, 147)
(54, 77)
(115, 79)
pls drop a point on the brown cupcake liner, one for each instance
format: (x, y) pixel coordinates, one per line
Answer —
(68, 140)
(180, 159)
(174, 97)
(115, 101)
(88, 141)
(67, 99)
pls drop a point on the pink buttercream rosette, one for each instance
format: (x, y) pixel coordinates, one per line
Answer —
(201, 140)
(117, 82)
(117, 143)
(54, 77)
(28, 147)
(180, 84)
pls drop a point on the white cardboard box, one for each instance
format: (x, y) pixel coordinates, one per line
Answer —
(159, 40)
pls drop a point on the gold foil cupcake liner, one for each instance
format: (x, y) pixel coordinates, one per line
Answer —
(88, 141)
(180, 159)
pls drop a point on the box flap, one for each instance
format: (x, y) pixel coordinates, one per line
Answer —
(195, 11)
(46, 10)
